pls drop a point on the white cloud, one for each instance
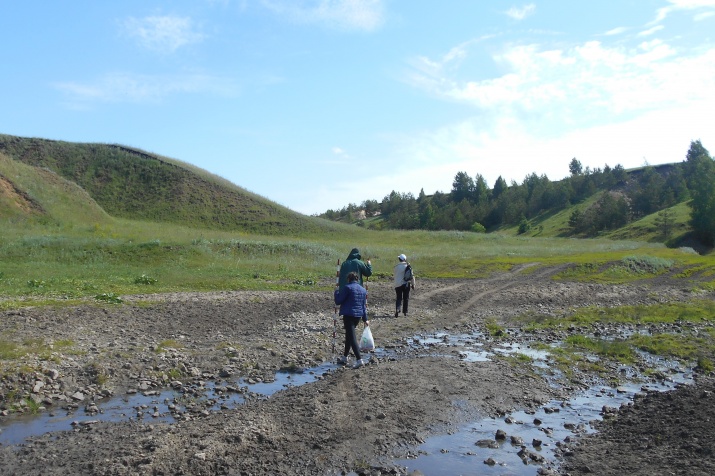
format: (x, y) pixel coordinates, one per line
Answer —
(126, 87)
(584, 83)
(616, 31)
(520, 13)
(163, 34)
(703, 16)
(366, 15)
(675, 5)
(340, 153)
(600, 103)
(651, 31)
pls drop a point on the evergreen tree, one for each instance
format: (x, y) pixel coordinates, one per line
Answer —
(702, 189)
(500, 187)
(462, 187)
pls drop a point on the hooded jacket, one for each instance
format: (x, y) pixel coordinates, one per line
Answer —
(353, 263)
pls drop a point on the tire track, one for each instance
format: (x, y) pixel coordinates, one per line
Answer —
(492, 285)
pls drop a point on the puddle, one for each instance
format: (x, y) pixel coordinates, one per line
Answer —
(530, 438)
(537, 433)
(164, 406)
(455, 453)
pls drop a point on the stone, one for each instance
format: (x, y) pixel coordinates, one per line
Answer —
(487, 444)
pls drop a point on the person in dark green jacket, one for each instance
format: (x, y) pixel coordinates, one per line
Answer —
(354, 264)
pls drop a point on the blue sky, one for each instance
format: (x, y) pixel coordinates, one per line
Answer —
(315, 104)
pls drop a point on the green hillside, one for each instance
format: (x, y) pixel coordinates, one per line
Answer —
(133, 184)
(32, 195)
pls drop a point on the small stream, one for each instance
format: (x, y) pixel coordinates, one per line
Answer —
(158, 406)
(530, 439)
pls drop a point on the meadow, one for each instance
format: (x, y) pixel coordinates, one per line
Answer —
(115, 257)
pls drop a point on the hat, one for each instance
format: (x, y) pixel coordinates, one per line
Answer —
(402, 257)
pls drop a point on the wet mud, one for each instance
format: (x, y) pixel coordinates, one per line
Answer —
(199, 362)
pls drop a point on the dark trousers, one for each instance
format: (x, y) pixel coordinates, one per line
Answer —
(351, 342)
(403, 298)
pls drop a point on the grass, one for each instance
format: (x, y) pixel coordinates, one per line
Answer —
(695, 311)
(619, 351)
(168, 344)
(493, 328)
(690, 344)
(11, 350)
(130, 257)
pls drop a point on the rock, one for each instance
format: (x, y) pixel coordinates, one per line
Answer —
(78, 396)
(500, 435)
(608, 410)
(490, 461)
(493, 444)
(517, 440)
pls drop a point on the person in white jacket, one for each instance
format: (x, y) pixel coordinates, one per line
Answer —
(404, 281)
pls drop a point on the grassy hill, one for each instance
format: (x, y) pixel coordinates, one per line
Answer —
(32, 195)
(93, 220)
(134, 184)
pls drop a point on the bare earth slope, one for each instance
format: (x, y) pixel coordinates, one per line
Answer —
(348, 420)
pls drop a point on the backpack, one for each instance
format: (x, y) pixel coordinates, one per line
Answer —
(408, 273)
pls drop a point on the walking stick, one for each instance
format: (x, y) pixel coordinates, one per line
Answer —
(335, 314)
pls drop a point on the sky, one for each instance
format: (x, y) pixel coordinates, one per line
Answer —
(316, 104)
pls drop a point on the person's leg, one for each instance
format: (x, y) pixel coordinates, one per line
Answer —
(348, 342)
(405, 298)
(350, 337)
(398, 299)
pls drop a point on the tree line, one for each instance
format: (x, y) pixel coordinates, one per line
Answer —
(620, 197)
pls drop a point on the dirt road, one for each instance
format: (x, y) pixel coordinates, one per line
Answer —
(359, 420)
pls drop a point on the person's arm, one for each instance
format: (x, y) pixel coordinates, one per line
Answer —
(364, 311)
(367, 269)
(341, 295)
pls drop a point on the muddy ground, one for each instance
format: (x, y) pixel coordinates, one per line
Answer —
(347, 420)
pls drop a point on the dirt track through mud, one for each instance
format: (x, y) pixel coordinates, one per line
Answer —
(347, 420)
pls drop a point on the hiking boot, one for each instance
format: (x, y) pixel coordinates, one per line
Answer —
(342, 360)
(359, 363)
(397, 313)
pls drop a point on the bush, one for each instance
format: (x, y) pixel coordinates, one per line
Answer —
(478, 227)
(144, 279)
(646, 264)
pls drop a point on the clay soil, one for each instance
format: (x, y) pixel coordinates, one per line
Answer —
(347, 420)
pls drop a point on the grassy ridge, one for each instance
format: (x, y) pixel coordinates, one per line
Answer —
(130, 183)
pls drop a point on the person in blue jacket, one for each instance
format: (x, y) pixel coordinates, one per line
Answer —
(352, 299)
(354, 264)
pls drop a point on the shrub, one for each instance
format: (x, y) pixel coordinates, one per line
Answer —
(108, 297)
(144, 279)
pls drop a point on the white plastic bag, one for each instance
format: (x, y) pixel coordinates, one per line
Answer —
(367, 343)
